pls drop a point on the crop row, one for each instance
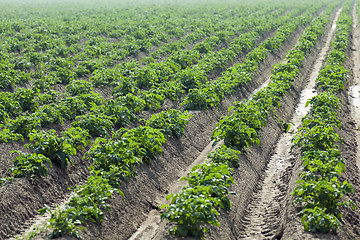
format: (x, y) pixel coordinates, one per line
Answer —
(211, 93)
(114, 160)
(320, 190)
(80, 97)
(199, 203)
(102, 118)
(242, 128)
(52, 54)
(101, 121)
(187, 69)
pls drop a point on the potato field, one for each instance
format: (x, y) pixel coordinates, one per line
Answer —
(165, 119)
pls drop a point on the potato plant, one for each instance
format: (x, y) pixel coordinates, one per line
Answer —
(89, 203)
(239, 130)
(58, 149)
(30, 165)
(197, 206)
(96, 125)
(211, 93)
(191, 208)
(171, 123)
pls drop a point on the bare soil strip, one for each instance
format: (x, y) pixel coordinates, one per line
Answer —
(263, 218)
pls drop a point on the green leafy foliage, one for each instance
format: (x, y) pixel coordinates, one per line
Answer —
(190, 208)
(196, 206)
(10, 77)
(129, 149)
(96, 125)
(6, 135)
(49, 145)
(27, 99)
(58, 149)
(112, 162)
(332, 78)
(321, 201)
(216, 176)
(173, 90)
(71, 107)
(49, 114)
(316, 219)
(241, 129)
(24, 125)
(89, 203)
(153, 99)
(226, 155)
(62, 222)
(146, 77)
(201, 99)
(208, 182)
(191, 78)
(171, 123)
(124, 87)
(119, 114)
(30, 165)
(103, 77)
(115, 159)
(211, 93)
(78, 87)
(133, 102)
(68, 48)
(9, 104)
(149, 140)
(185, 58)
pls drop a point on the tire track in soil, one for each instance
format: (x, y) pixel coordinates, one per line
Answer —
(263, 217)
